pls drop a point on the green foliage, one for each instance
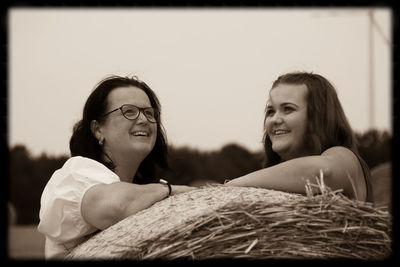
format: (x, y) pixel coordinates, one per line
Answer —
(29, 175)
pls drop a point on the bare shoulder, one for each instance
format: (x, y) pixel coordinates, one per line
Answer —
(349, 168)
(342, 159)
(340, 153)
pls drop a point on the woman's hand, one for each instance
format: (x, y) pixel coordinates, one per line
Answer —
(235, 182)
(176, 189)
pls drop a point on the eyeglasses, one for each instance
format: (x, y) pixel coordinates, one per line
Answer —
(132, 112)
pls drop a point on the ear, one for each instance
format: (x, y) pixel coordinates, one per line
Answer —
(96, 129)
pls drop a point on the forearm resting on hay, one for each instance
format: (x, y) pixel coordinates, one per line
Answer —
(106, 204)
(291, 176)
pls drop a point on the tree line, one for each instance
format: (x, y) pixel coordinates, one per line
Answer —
(29, 174)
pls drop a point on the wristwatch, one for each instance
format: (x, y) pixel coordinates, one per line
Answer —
(162, 181)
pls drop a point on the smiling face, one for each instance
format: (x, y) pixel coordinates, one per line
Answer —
(125, 138)
(286, 120)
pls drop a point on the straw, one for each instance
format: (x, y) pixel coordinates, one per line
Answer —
(243, 222)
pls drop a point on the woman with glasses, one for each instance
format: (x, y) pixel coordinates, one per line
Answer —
(306, 133)
(116, 149)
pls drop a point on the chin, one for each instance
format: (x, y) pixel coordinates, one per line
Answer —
(143, 148)
(279, 148)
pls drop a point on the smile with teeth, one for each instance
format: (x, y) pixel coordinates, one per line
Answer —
(140, 133)
(279, 132)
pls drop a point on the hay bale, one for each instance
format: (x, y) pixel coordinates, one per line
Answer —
(243, 222)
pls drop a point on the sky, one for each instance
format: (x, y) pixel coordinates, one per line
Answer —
(211, 68)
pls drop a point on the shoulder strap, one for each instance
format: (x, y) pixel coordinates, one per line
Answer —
(367, 177)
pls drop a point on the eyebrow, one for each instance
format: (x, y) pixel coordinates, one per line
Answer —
(283, 104)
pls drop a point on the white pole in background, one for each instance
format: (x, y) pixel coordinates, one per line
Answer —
(371, 73)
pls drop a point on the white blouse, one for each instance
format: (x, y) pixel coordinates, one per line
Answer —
(60, 215)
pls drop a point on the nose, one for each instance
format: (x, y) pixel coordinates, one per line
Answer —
(277, 118)
(141, 118)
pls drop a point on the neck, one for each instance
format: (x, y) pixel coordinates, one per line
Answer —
(125, 167)
(293, 156)
(126, 170)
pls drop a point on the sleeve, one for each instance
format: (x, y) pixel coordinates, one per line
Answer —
(60, 211)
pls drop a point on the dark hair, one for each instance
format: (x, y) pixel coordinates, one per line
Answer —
(327, 125)
(84, 143)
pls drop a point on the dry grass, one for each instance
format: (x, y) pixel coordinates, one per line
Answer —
(327, 225)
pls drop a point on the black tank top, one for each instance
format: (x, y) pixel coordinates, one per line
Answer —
(367, 177)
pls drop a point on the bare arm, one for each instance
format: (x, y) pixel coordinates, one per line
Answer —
(106, 204)
(337, 164)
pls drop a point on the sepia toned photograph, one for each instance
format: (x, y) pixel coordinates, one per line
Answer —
(144, 133)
